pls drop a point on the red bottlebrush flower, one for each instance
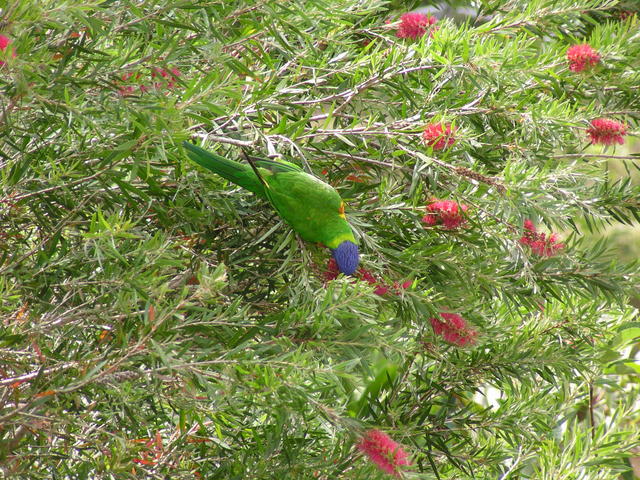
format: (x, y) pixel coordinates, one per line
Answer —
(624, 14)
(4, 44)
(365, 275)
(388, 455)
(540, 244)
(166, 81)
(169, 77)
(332, 270)
(130, 78)
(403, 285)
(446, 213)
(414, 25)
(381, 289)
(156, 71)
(354, 178)
(454, 329)
(126, 90)
(582, 57)
(528, 225)
(173, 72)
(606, 131)
(439, 136)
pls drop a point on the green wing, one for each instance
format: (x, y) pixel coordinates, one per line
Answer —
(235, 172)
(274, 167)
(313, 208)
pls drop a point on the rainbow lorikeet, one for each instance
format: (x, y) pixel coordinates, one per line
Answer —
(313, 208)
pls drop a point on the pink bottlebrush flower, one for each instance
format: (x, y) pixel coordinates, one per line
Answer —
(446, 213)
(414, 25)
(454, 329)
(606, 131)
(439, 136)
(540, 244)
(4, 44)
(582, 57)
(388, 455)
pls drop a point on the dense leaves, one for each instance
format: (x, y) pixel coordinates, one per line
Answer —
(158, 321)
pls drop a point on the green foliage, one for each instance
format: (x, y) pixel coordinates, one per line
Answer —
(157, 321)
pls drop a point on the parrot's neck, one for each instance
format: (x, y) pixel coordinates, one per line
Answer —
(342, 237)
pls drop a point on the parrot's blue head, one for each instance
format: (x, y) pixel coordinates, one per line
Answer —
(347, 257)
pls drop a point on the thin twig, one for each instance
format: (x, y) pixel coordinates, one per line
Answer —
(228, 140)
(349, 95)
(597, 155)
(591, 414)
(58, 187)
(34, 374)
(462, 171)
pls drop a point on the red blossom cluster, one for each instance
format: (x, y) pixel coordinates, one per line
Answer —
(439, 136)
(606, 131)
(454, 329)
(446, 213)
(164, 79)
(582, 57)
(364, 274)
(414, 25)
(388, 455)
(541, 244)
(4, 44)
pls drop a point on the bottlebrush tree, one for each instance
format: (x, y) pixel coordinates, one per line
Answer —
(159, 322)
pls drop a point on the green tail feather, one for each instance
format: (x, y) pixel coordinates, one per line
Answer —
(235, 172)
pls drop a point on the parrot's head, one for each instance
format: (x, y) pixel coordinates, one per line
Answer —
(347, 257)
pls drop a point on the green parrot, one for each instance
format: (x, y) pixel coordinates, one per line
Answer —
(313, 208)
